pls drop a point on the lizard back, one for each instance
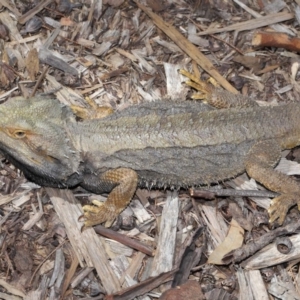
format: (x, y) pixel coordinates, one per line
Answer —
(181, 144)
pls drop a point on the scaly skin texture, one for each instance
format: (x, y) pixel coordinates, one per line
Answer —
(160, 144)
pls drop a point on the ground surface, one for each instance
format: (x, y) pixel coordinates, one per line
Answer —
(121, 53)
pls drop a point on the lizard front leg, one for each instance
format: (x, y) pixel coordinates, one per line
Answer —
(124, 182)
(92, 112)
(259, 164)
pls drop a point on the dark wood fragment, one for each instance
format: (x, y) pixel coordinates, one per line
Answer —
(245, 251)
(276, 39)
(49, 58)
(190, 259)
(41, 5)
(210, 194)
(143, 287)
(190, 290)
(123, 239)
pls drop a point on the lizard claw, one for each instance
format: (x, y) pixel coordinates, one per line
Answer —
(280, 205)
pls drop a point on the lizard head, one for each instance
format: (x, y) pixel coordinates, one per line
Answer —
(34, 137)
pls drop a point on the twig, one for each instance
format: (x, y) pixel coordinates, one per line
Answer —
(245, 251)
(276, 39)
(248, 9)
(142, 287)
(44, 260)
(14, 10)
(39, 81)
(123, 239)
(221, 40)
(24, 18)
(188, 48)
(252, 24)
(212, 193)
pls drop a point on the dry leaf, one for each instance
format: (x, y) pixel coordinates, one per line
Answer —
(32, 63)
(249, 62)
(7, 75)
(233, 240)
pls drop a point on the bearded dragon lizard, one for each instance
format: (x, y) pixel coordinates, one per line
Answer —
(159, 144)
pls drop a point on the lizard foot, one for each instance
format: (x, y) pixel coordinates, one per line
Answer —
(99, 213)
(126, 182)
(204, 90)
(214, 95)
(280, 206)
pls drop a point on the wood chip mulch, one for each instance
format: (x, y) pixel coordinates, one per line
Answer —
(165, 245)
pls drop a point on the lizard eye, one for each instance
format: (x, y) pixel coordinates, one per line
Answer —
(19, 134)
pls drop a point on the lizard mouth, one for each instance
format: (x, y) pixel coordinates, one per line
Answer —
(46, 174)
(53, 159)
(44, 166)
